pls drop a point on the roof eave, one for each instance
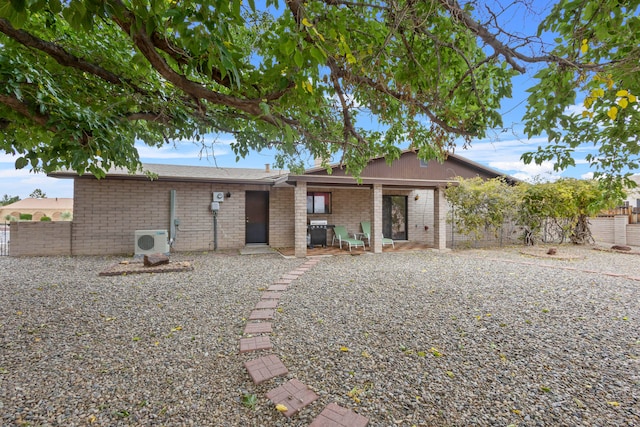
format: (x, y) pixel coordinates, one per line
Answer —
(366, 181)
(266, 181)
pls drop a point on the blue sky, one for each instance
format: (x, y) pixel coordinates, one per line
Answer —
(501, 150)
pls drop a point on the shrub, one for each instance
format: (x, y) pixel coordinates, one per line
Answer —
(26, 217)
(45, 218)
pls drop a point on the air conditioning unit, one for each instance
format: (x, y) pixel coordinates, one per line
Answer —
(151, 242)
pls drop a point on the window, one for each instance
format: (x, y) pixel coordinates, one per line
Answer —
(318, 203)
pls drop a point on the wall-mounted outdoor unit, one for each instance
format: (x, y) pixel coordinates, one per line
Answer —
(151, 242)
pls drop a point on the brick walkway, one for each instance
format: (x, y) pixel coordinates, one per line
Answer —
(265, 368)
(293, 395)
(335, 415)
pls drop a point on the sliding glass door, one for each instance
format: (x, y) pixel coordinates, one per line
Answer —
(394, 217)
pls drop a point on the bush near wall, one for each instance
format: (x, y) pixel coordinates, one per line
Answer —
(45, 218)
(26, 217)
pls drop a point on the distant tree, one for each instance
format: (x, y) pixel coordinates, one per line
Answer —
(38, 194)
(7, 200)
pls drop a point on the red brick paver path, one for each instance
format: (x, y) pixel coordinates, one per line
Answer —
(267, 303)
(337, 416)
(261, 315)
(271, 295)
(292, 394)
(254, 344)
(265, 368)
(258, 328)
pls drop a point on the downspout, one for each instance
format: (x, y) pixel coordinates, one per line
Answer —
(172, 218)
(215, 230)
(214, 210)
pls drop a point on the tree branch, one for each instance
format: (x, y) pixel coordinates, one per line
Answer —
(179, 55)
(458, 14)
(63, 57)
(510, 55)
(145, 45)
(23, 109)
(355, 4)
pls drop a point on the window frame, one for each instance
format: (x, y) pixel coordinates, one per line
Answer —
(327, 205)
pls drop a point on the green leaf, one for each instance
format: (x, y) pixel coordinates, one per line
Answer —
(297, 59)
(21, 163)
(317, 54)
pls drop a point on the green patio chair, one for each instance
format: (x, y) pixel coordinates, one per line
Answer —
(366, 231)
(340, 234)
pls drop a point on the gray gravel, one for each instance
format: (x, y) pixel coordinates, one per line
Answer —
(491, 337)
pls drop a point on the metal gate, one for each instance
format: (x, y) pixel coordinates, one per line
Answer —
(4, 239)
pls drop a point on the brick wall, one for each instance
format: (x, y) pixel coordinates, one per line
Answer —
(602, 229)
(419, 216)
(107, 213)
(615, 230)
(40, 238)
(348, 207)
(281, 214)
(633, 234)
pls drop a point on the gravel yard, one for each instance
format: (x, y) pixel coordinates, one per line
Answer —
(482, 337)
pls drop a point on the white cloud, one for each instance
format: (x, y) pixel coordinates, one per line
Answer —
(588, 175)
(11, 172)
(505, 150)
(531, 169)
(7, 158)
(551, 177)
(575, 109)
(185, 150)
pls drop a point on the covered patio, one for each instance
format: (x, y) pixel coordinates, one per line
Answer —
(403, 200)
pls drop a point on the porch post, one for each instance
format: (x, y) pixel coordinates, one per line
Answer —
(439, 219)
(300, 219)
(376, 219)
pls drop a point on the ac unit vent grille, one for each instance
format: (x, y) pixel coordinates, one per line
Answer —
(146, 242)
(151, 241)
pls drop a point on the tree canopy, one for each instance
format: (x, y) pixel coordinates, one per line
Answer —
(7, 200)
(38, 194)
(82, 80)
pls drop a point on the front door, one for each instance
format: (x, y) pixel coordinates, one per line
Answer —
(394, 217)
(257, 216)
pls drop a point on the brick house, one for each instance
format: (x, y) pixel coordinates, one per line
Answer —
(54, 208)
(404, 200)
